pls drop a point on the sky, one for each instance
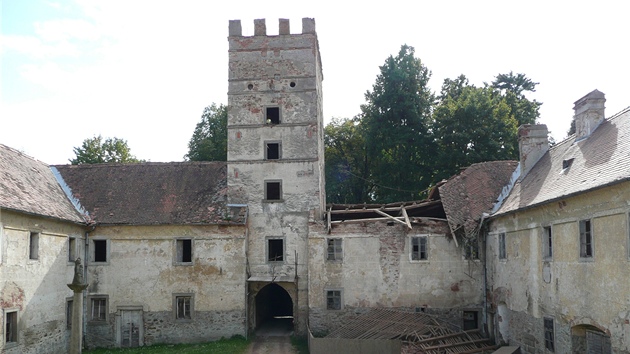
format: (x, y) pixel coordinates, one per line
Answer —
(144, 70)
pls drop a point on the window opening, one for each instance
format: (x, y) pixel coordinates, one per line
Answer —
(184, 251)
(273, 190)
(275, 249)
(183, 311)
(549, 341)
(33, 245)
(11, 330)
(69, 313)
(547, 242)
(566, 163)
(470, 319)
(100, 250)
(333, 299)
(99, 309)
(335, 252)
(419, 248)
(586, 239)
(273, 151)
(72, 249)
(472, 248)
(273, 115)
(502, 250)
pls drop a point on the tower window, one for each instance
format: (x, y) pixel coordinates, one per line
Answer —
(272, 151)
(275, 250)
(272, 115)
(273, 190)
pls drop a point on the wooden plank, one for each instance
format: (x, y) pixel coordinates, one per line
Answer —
(404, 212)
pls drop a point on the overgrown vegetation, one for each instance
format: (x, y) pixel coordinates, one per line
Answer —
(234, 345)
(300, 344)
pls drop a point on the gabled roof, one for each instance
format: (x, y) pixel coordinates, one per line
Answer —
(153, 193)
(29, 186)
(469, 194)
(571, 167)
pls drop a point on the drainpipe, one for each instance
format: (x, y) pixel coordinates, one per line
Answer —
(484, 313)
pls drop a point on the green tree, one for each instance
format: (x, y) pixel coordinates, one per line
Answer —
(347, 172)
(513, 88)
(396, 118)
(98, 150)
(209, 140)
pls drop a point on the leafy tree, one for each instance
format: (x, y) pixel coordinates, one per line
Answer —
(395, 119)
(513, 87)
(98, 150)
(209, 140)
(347, 172)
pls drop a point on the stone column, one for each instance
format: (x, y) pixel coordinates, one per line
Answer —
(77, 286)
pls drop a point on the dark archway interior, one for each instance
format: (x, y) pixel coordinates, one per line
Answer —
(273, 304)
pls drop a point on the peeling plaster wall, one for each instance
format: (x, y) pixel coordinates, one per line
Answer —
(36, 288)
(571, 290)
(142, 272)
(377, 271)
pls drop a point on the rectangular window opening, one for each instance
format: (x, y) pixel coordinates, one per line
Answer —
(69, 313)
(502, 250)
(586, 239)
(11, 330)
(472, 249)
(333, 299)
(549, 340)
(272, 151)
(334, 251)
(98, 309)
(471, 320)
(273, 190)
(100, 250)
(272, 115)
(547, 243)
(419, 250)
(275, 249)
(72, 249)
(183, 309)
(33, 245)
(184, 251)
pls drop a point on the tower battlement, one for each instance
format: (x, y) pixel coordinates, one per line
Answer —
(260, 27)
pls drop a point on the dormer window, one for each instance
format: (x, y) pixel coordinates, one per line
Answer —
(272, 115)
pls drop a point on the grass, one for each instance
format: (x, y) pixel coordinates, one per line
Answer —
(300, 343)
(234, 345)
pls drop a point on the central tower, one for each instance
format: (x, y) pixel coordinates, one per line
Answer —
(276, 160)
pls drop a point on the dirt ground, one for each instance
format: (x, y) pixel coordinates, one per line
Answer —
(272, 345)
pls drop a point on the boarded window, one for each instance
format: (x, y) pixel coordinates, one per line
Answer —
(586, 239)
(547, 243)
(98, 309)
(272, 115)
(334, 250)
(183, 310)
(33, 245)
(100, 250)
(502, 250)
(272, 151)
(72, 249)
(273, 190)
(184, 251)
(11, 330)
(333, 299)
(549, 340)
(419, 249)
(275, 250)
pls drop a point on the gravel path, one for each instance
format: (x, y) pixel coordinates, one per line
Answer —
(272, 345)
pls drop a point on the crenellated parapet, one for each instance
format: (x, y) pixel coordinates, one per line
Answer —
(260, 27)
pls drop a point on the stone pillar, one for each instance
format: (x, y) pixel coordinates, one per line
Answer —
(77, 286)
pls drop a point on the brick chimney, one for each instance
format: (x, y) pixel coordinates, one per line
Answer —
(589, 113)
(533, 143)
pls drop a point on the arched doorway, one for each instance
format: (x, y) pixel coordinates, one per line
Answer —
(274, 309)
(589, 339)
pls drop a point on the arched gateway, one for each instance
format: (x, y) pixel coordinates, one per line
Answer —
(273, 308)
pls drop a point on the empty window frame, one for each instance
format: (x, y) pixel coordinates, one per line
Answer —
(470, 320)
(272, 115)
(69, 303)
(100, 251)
(273, 190)
(471, 247)
(275, 250)
(549, 338)
(502, 249)
(547, 243)
(333, 299)
(33, 245)
(98, 309)
(272, 150)
(183, 250)
(183, 306)
(419, 248)
(334, 250)
(72, 249)
(586, 239)
(10, 327)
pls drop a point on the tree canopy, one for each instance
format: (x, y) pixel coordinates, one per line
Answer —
(98, 150)
(209, 140)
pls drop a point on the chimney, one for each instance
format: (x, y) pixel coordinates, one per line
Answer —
(589, 113)
(533, 143)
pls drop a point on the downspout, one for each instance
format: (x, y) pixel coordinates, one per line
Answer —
(484, 314)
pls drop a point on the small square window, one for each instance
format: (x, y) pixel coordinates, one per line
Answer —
(273, 190)
(275, 250)
(69, 304)
(184, 250)
(72, 249)
(272, 151)
(549, 340)
(586, 239)
(183, 306)
(100, 250)
(11, 328)
(502, 250)
(547, 243)
(33, 245)
(334, 250)
(272, 115)
(471, 320)
(419, 249)
(98, 310)
(333, 299)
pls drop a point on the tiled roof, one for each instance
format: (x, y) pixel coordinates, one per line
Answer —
(469, 194)
(601, 159)
(153, 193)
(29, 186)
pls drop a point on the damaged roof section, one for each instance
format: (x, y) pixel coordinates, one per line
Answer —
(153, 193)
(29, 186)
(473, 192)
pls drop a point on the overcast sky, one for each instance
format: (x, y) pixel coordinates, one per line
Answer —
(144, 70)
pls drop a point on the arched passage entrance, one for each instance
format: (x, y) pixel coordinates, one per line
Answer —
(589, 339)
(274, 308)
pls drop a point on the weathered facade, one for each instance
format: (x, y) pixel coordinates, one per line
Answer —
(558, 259)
